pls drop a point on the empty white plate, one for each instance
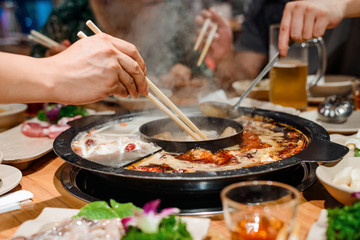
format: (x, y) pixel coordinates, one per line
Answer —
(10, 178)
(352, 124)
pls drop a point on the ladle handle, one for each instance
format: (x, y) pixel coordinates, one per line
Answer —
(257, 79)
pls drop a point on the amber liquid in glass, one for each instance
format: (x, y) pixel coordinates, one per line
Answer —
(257, 228)
(356, 94)
(288, 84)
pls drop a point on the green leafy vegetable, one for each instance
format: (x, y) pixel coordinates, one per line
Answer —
(123, 209)
(344, 223)
(54, 112)
(357, 152)
(170, 228)
(72, 111)
(97, 210)
(41, 115)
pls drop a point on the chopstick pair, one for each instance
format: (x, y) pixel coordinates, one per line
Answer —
(209, 39)
(42, 39)
(186, 124)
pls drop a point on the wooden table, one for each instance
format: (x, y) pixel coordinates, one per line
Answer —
(42, 178)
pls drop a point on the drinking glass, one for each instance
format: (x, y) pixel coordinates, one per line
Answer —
(288, 77)
(257, 210)
(356, 94)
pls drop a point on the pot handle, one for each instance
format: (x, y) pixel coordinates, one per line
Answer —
(322, 151)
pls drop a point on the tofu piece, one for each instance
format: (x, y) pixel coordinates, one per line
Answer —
(343, 177)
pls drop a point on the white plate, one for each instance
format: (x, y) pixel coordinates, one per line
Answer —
(260, 91)
(10, 177)
(19, 150)
(13, 115)
(198, 227)
(332, 85)
(352, 124)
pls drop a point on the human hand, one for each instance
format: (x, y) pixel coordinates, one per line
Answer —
(96, 67)
(57, 49)
(308, 19)
(223, 40)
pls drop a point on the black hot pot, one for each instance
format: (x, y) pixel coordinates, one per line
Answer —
(319, 149)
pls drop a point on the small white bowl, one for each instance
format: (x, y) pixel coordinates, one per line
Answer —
(332, 85)
(326, 174)
(140, 103)
(259, 92)
(11, 115)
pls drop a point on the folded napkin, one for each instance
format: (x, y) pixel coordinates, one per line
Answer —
(12, 201)
(318, 229)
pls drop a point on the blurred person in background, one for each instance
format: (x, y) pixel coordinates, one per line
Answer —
(246, 57)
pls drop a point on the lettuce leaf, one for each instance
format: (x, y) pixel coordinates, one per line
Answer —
(101, 210)
(97, 210)
(123, 209)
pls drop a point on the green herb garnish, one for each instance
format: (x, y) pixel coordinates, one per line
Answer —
(344, 223)
(170, 228)
(357, 152)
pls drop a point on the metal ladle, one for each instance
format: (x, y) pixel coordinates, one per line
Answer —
(219, 109)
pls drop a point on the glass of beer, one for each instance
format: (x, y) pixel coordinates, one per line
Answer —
(288, 77)
(257, 210)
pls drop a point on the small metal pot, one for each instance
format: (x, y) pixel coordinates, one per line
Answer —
(148, 130)
(335, 109)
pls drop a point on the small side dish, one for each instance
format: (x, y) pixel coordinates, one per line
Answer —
(341, 180)
(53, 120)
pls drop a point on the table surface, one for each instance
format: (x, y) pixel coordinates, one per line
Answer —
(42, 178)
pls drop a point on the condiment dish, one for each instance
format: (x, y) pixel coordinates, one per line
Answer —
(326, 174)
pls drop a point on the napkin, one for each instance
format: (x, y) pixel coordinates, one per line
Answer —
(12, 201)
(318, 229)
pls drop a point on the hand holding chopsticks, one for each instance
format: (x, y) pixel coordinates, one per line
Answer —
(191, 129)
(42, 39)
(209, 39)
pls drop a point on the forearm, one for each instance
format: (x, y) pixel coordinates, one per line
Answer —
(23, 79)
(352, 8)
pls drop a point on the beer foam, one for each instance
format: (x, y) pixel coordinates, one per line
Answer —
(286, 65)
(289, 64)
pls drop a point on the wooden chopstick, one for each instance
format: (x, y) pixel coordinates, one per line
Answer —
(163, 97)
(173, 116)
(39, 41)
(42, 39)
(171, 105)
(207, 44)
(93, 27)
(202, 34)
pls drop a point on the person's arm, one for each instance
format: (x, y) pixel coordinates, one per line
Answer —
(89, 70)
(304, 20)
